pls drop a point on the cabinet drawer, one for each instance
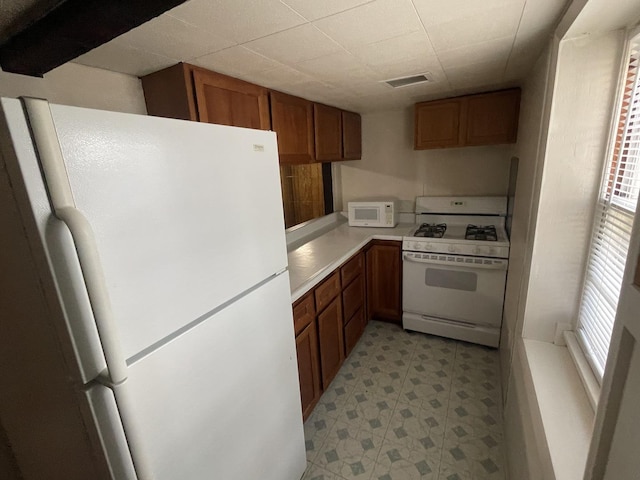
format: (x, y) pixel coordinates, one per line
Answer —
(327, 291)
(352, 268)
(353, 297)
(353, 331)
(303, 312)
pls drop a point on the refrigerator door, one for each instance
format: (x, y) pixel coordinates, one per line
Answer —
(186, 216)
(221, 400)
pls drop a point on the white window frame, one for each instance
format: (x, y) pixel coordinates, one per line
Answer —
(633, 36)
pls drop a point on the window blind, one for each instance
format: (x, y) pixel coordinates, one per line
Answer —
(613, 222)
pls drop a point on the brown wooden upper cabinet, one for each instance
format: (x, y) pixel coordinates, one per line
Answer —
(292, 120)
(327, 123)
(229, 101)
(483, 119)
(351, 136)
(307, 132)
(192, 93)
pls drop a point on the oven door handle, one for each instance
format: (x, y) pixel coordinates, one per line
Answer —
(484, 263)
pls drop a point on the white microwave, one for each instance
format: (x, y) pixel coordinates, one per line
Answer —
(373, 214)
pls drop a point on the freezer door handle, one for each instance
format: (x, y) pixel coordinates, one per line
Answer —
(57, 182)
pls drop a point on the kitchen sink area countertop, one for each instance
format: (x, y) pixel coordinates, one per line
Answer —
(326, 246)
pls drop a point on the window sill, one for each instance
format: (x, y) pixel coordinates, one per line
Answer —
(565, 410)
(589, 381)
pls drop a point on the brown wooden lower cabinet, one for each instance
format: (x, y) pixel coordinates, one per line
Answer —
(353, 330)
(308, 369)
(330, 319)
(331, 341)
(384, 280)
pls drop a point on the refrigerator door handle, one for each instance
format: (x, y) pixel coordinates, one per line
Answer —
(53, 167)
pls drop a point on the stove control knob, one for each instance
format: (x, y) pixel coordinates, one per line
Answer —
(427, 246)
(492, 251)
(477, 250)
(452, 248)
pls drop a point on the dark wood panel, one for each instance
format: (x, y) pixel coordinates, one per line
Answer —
(328, 132)
(292, 120)
(351, 136)
(353, 268)
(169, 93)
(303, 312)
(437, 124)
(384, 280)
(492, 118)
(308, 369)
(228, 101)
(331, 341)
(327, 291)
(47, 38)
(353, 331)
(353, 297)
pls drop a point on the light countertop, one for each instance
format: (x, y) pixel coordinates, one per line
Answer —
(314, 260)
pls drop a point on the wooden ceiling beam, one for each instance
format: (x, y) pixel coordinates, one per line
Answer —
(72, 28)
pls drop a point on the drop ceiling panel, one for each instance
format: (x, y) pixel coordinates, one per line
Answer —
(470, 29)
(477, 53)
(371, 23)
(295, 45)
(479, 74)
(169, 36)
(338, 66)
(392, 50)
(313, 10)
(239, 20)
(125, 59)
(434, 12)
(236, 60)
(338, 52)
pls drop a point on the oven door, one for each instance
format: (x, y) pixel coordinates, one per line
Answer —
(454, 287)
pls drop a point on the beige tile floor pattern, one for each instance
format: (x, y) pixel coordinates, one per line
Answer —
(409, 406)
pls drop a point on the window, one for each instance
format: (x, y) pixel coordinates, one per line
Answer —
(613, 222)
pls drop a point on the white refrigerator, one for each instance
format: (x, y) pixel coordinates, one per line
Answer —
(147, 329)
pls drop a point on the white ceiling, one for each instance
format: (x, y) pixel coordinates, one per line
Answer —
(339, 51)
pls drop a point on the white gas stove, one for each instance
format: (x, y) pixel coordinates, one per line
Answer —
(455, 265)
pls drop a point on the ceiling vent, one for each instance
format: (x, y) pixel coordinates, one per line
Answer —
(412, 80)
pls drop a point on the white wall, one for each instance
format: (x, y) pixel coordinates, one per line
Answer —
(391, 167)
(530, 152)
(568, 101)
(580, 123)
(79, 85)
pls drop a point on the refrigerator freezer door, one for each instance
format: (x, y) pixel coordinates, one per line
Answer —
(222, 400)
(186, 215)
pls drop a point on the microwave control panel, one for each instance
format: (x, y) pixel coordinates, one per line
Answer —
(388, 210)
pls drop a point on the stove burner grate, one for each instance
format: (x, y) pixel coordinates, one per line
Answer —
(481, 232)
(431, 230)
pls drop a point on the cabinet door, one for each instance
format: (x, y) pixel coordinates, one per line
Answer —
(384, 281)
(229, 101)
(308, 368)
(169, 93)
(437, 124)
(351, 136)
(292, 120)
(353, 331)
(352, 297)
(492, 118)
(303, 312)
(331, 341)
(328, 132)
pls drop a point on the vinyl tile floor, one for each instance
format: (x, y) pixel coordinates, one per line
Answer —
(407, 406)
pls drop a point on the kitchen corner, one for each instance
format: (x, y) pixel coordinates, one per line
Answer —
(316, 248)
